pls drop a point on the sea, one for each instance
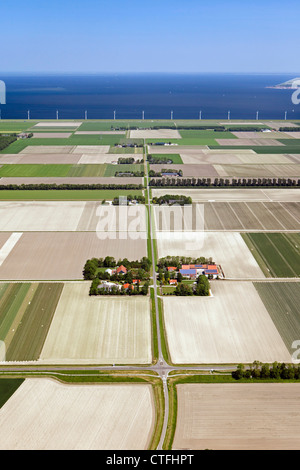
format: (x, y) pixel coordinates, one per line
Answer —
(148, 96)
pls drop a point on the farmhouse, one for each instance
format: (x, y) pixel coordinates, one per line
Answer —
(121, 270)
(173, 282)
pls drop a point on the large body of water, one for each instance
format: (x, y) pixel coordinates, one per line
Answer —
(159, 96)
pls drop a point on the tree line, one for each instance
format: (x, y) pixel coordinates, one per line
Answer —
(47, 186)
(223, 183)
(259, 370)
(172, 199)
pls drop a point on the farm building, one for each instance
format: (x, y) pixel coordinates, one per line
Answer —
(191, 271)
(173, 282)
(172, 269)
(121, 270)
(108, 285)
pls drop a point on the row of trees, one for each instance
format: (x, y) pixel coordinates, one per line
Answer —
(221, 182)
(6, 140)
(178, 261)
(172, 199)
(259, 370)
(130, 173)
(48, 186)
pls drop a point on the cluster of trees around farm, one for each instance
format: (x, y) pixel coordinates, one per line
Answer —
(114, 290)
(172, 199)
(128, 161)
(158, 174)
(48, 186)
(161, 160)
(259, 370)
(223, 183)
(178, 261)
(6, 140)
(91, 267)
(200, 288)
(139, 270)
(140, 199)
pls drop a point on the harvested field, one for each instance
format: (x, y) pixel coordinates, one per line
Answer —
(34, 159)
(223, 329)
(251, 216)
(276, 125)
(42, 149)
(91, 149)
(155, 134)
(99, 158)
(9, 246)
(165, 149)
(250, 142)
(295, 135)
(282, 300)
(112, 330)
(278, 254)
(259, 171)
(84, 417)
(238, 416)
(36, 216)
(52, 135)
(58, 124)
(62, 255)
(238, 194)
(100, 132)
(227, 249)
(260, 135)
(195, 171)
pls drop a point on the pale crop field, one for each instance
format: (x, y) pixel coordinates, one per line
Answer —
(238, 416)
(62, 255)
(47, 149)
(238, 194)
(227, 249)
(58, 124)
(232, 326)
(103, 329)
(36, 216)
(155, 134)
(46, 415)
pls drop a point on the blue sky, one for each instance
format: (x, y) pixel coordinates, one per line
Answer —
(103, 36)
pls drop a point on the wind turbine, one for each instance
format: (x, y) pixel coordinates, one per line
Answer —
(85, 115)
(28, 115)
(114, 114)
(285, 115)
(228, 115)
(143, 115)
(200, 115)
(56, 114)
(257, 115)
(171, 115)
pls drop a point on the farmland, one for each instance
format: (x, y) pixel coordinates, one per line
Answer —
(106, 331)
(84, 417)
(282, 302)
(213, 416)
(226, 248)
(48, 320)
(26, 314)
(62, 255)
(220, 329)
(277, 253)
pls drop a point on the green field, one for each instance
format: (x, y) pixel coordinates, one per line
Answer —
(205, 134)
(29, 337)
(186, 141)
(11, 298)
(49, 170)
(112, 169)
(282, 300)
(66, 195)
(8, 388)
(19, 145)
(277, 254)
(15, 126)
